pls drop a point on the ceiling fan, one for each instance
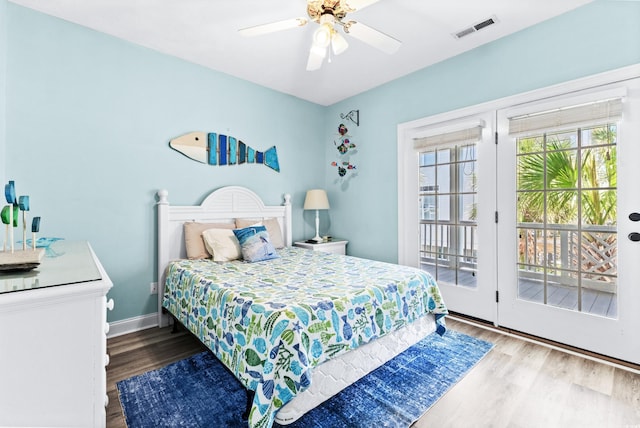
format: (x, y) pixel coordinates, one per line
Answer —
(329, 13)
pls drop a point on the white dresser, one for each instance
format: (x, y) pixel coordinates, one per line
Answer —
(53, 341)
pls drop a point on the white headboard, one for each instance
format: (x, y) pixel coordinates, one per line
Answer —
(222, 205)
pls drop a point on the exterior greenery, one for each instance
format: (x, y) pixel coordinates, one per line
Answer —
(563, 167)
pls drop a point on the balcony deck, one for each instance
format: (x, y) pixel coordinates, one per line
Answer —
(593, 302)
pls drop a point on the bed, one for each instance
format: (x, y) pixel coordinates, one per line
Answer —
(294, 329)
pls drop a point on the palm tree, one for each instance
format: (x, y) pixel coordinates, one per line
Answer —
(597, 174)
(561, 175)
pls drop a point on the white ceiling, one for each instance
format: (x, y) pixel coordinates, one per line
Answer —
(205, 32)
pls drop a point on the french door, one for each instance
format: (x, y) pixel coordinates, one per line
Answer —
(568, 261)
(540, 232)
(456, 212)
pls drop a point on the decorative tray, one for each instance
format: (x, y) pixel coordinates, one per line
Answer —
(20, 260)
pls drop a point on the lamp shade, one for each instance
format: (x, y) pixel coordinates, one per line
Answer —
(316, 199)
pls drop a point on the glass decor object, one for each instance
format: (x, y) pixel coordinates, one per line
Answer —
(12, 258)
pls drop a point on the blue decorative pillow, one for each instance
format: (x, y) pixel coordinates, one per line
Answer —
(255, 244)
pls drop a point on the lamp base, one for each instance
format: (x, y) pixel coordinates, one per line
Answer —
(317, 238)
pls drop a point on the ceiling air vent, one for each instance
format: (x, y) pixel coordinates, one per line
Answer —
(476, 27)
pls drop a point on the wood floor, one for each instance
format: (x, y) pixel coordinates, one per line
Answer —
(518, 384)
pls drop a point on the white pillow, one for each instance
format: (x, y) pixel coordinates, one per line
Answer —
(222, 244)
(193, 238)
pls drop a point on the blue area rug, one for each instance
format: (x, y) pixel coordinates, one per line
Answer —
(200, 392)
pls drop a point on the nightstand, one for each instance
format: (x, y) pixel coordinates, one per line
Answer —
(335, 246)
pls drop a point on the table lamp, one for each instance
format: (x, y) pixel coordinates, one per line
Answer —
(316, 199)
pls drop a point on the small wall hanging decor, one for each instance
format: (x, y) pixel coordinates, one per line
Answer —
(219, 149)
(344, 142)
(345, 146)
(343, 167)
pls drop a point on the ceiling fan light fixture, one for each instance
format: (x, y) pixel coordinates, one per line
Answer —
(338, 43)
(322, 35)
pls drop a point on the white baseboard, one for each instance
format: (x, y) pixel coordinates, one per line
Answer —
(130, 325)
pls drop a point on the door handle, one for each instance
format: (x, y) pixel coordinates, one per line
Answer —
(634, 236)
(634, 216)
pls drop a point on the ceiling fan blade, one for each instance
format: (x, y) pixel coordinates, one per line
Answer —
(370, 36)
(272, 27)
(316, 56)
(353, 5)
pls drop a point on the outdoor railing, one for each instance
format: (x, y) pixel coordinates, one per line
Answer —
(444, 242)
(567, 252)
(558, 254)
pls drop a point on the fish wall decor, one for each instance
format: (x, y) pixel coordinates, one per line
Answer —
(342, 168)
(219, 149)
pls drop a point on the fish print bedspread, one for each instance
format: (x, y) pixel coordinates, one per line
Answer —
(271, 322)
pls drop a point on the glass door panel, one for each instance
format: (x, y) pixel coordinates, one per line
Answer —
(567, 269)
(448, 227)
(565, 209)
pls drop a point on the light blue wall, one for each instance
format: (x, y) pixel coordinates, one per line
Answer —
(601, 36)
(89, 118)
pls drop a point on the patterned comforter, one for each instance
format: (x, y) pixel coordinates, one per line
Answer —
(271, 322)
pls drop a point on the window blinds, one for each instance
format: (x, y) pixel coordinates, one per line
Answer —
(448, 137)
(605, 111)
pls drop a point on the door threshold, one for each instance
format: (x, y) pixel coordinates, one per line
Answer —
(600, 358)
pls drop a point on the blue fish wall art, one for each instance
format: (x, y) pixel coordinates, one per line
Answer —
(219, 149)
